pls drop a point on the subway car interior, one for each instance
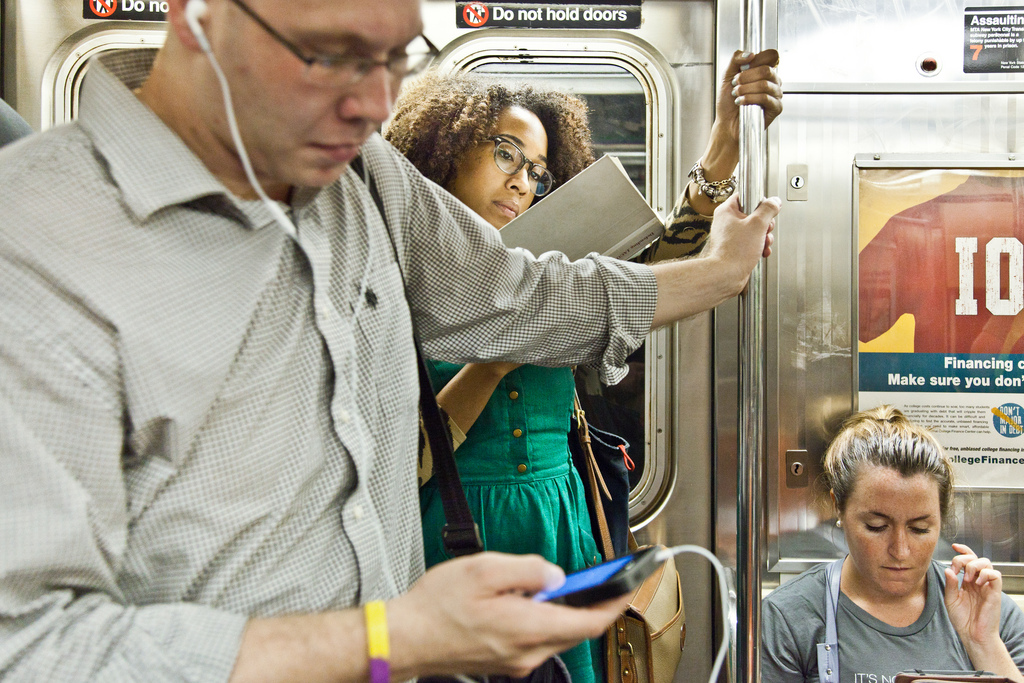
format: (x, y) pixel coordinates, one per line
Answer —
(887, 106)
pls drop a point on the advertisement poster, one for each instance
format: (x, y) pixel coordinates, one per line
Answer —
(940, 274)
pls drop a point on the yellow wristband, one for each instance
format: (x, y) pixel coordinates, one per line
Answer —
(377, 641)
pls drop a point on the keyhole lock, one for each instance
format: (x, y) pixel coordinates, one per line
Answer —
(796, 469)
(798, 175)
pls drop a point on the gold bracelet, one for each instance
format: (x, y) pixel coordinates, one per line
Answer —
(715, 190)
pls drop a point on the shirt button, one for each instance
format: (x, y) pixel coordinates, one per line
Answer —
(357, 511)
(513, 395)
(343, 416)
(321, 308)
(521, 468)
(517, 433)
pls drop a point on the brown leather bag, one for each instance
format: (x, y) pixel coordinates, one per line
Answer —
(645, 643)
(921, 676)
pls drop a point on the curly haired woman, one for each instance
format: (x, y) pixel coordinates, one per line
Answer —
(497, 146)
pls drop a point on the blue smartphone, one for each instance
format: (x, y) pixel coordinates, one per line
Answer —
(604, 581)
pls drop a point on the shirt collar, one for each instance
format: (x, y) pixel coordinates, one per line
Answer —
(147, 160)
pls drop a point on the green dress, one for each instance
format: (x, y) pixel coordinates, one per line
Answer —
(519, 480)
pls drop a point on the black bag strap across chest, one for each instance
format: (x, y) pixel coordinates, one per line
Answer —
(461, 535)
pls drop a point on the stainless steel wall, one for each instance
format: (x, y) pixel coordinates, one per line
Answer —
(853, 85)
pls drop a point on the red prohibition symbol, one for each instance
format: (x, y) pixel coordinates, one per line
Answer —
(103, 8)
(475, 13)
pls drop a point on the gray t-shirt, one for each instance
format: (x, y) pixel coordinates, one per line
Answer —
(870, 651)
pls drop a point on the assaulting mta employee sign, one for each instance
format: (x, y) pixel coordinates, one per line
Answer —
(517, 14)
(994, 40)
(940, 299)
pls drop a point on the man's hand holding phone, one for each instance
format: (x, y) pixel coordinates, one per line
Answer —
(604, 581)
(475, 615)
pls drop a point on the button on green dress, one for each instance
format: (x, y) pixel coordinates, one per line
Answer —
(519, 480)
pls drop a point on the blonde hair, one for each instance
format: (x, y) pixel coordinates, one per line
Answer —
(884, 437)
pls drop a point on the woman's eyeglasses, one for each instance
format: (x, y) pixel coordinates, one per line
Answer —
(510, 159)
(342, 70)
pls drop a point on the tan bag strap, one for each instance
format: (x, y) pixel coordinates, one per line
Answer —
(618, 639)
(596, 482)
(584, 431)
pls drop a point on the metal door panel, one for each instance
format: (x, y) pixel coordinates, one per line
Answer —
(679, 405)
(849, 90)
(873, 45)
(811, 272)
(47, 43)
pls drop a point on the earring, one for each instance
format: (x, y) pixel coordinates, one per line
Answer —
(839, 523)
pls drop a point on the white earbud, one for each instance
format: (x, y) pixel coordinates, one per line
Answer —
(194, 11)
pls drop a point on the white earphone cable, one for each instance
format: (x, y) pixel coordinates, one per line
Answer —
(275, 209)
(723, 587)
(194, 10)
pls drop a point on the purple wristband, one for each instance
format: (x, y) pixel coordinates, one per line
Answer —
(380, 671)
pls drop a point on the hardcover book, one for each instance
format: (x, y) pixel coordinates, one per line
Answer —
(597, 210)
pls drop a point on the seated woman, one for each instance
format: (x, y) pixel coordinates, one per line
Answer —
(895, 608)
(496, 146)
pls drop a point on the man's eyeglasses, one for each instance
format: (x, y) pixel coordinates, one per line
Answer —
(511, 159)
(341, 70)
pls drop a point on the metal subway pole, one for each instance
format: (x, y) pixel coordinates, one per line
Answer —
(752, 360)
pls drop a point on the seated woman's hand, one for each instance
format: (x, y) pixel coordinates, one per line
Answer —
(974, 605)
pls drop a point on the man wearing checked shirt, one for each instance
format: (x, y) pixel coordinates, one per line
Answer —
(208, 426)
